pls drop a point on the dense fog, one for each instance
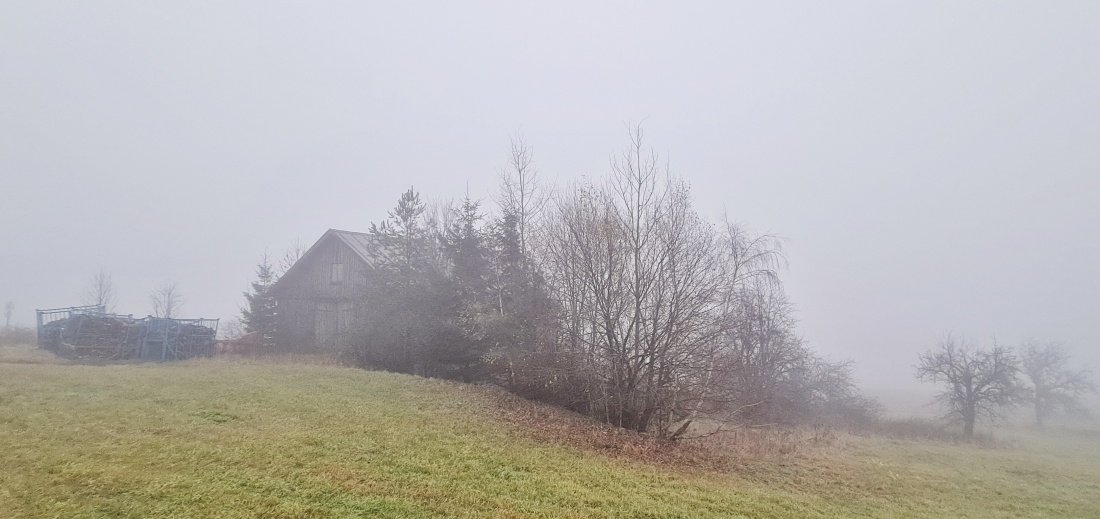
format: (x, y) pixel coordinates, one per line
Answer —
(930, 168)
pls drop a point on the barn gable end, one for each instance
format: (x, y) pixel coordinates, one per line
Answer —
(317, 297)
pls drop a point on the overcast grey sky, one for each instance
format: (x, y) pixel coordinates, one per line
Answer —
(935, 166)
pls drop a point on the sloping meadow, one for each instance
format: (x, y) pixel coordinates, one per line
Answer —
(224, 438)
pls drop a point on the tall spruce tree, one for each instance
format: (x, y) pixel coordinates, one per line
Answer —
(464, 297)
(466, 245)
(259, 316)
(399, 300)
(509, 263)
(404, 231)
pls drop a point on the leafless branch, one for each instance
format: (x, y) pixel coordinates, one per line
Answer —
(166, 300)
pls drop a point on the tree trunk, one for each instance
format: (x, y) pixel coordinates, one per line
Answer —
(968, 427)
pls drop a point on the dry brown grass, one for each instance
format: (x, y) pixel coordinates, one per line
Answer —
(924, 429)
(28, 354)
(17, 336)
(759, 443)
(718, 452)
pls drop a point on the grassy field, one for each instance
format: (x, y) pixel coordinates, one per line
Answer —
(237, 438)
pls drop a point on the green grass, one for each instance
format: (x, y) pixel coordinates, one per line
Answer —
(224, 438)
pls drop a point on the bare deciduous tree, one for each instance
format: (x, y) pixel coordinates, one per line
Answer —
(638, 273)
(978, 384)
(751, 257)
(290, 256)
(166, 300)
(521, 194)
(1054, 385)
(439, 215)
(665, 319)
(760, 350)
(101, 291)
(438, 218)
(9, 308)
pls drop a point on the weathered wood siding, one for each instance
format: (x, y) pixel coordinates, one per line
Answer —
(317, 308)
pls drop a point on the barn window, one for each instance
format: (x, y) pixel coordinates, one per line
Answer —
(337, 273)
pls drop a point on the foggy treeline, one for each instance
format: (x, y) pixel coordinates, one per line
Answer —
(984, 384)
(612, 297)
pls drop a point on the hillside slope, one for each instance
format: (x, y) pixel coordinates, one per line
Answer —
(218, 438)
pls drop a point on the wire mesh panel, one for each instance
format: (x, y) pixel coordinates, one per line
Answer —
(58, 327)
(176, 339)
(89, 332)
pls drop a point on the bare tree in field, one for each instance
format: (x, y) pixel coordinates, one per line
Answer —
(978, 384)
(101, 291)
(1054, 385)
(166, 300)
(8, 309)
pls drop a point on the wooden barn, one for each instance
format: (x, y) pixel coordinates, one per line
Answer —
(316, 298)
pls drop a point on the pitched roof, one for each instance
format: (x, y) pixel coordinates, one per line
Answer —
(367, 246)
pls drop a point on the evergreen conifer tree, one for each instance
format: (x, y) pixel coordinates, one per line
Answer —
(401, 303)
(465, 244)
(259, 316)
(511, 279)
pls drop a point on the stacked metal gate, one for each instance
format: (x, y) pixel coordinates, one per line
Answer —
(91, 333)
